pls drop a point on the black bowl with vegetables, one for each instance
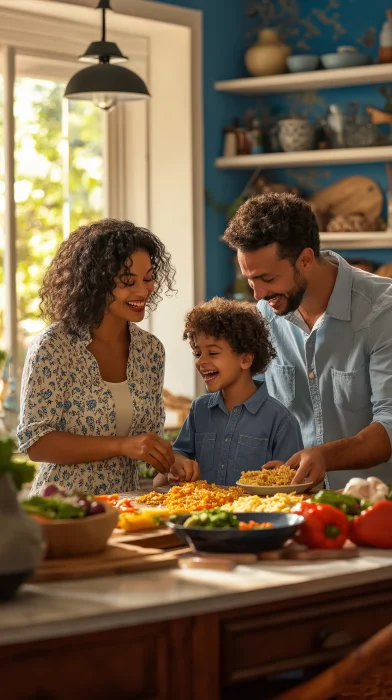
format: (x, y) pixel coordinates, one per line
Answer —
(219, 531)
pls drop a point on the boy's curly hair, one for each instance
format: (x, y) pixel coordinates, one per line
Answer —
(79, 283)
(238, 322)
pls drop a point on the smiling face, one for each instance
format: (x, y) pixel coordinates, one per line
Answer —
(218, 364)
(275, 279)
(133, 288)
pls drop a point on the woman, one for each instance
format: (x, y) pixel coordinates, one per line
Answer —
(92, 386)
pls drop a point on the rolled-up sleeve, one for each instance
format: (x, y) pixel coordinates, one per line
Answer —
(43, 391)
(380, 368)
(185, 442)
(287, 440)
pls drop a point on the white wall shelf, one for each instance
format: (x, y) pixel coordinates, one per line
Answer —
(312, 80)
(346, 241)
(299, 159)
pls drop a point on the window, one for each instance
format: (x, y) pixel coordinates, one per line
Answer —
(58, 185)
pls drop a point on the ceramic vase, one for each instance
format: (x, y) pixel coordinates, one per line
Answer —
(268, 55)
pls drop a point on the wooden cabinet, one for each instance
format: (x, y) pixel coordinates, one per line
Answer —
(198, 658)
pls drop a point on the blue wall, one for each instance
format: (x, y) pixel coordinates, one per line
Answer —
(227, 32)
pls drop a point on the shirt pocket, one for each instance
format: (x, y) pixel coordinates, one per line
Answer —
(281, 382)
(351, 390)
(204, 448)
(250, 454)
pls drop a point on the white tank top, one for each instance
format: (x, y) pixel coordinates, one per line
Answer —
(123, 405)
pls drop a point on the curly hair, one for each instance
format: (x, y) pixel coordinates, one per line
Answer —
(238, 322)
(79, 283)
(284, 219)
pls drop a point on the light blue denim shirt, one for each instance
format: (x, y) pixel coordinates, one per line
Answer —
(224, 445)
(337, 378)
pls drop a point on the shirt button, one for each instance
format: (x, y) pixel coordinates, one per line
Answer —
(311, 375)
(235, 410)
(227, 440)
(223, 466)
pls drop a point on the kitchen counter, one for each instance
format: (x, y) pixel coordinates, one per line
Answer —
(190, 634)
(43, 611)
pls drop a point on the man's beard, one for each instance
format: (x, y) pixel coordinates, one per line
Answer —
(294, 297)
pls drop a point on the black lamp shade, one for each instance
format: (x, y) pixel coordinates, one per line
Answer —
(98, 49)
(115, 81)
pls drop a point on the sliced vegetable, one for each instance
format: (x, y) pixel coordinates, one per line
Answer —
(132, 522)
(373, 528)
(53, 507)
(252, 525)
(210, 519)
(325, 527)
(344, 502)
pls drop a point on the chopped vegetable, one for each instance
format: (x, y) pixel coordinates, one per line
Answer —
(373, 528)
(58, 505)
(53, 507)
(211, 519)
(344, 502)
(325, 527)
(252, 525)
(132, 522)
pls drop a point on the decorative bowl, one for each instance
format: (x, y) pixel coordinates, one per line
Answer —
(78, 537)
(331, 61)
(302, 64)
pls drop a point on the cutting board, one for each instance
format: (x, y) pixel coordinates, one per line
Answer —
(351, 195)
(116, 558)
(295, 551)
(162, 538)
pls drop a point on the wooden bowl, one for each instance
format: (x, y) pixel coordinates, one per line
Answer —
(77, 537)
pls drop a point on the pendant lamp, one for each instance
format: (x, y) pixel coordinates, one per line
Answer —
(105, 82)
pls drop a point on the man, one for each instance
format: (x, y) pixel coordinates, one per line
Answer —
(332, 328)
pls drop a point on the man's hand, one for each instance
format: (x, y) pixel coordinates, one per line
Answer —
(310, 465)
(183, 469)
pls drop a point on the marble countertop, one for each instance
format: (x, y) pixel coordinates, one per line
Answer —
(49, 610)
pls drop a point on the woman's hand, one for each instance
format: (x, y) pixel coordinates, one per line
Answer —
(149, 448)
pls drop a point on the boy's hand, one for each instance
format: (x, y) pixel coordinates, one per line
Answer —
(274, 464)
(183, 469)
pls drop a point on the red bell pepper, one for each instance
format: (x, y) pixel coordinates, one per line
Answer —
(325, 527)
(373, 528)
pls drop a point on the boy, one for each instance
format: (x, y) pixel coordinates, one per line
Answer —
(237, 426)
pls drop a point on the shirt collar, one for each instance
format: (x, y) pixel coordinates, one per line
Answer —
(252, 404)
(339, 304)
(85, 337)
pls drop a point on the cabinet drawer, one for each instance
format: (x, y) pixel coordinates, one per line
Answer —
(96, 667)
(257, 646)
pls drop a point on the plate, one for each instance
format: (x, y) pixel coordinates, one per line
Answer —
(272, 490)
(228, 540)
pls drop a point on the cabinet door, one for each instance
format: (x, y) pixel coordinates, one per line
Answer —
(120, 665)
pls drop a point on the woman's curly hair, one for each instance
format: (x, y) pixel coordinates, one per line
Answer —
(238, 322)
(79, 283)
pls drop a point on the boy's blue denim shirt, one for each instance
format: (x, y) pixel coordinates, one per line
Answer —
(337, 377)
(256, 431)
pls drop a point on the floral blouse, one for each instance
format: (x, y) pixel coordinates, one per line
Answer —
(62, 389)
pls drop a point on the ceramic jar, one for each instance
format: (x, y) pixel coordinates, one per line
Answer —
(296, 135)
(268, 55)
